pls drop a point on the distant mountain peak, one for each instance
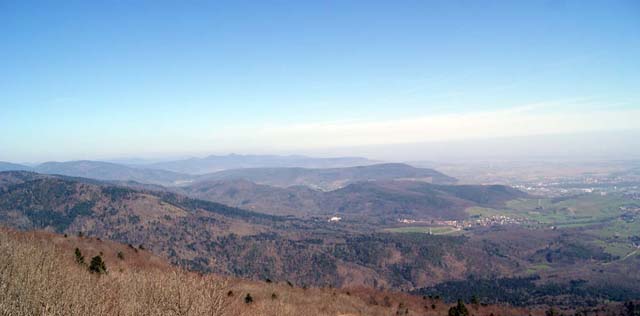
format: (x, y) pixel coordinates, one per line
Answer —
(111, 171)
(8, 166)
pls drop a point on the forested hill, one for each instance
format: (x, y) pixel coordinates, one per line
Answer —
(212, 237)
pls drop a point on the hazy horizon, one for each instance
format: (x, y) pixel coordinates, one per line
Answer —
(580, 147)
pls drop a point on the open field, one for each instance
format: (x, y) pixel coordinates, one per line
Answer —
(616, 237)
(599, 216)
(582, 210)
(436, 230)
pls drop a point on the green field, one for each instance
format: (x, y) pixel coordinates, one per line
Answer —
(576, 211)
(614, 236)
(436, 230)
(598, 215)
(617, 229)
(537, 268)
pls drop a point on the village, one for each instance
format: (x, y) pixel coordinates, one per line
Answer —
(474, 221)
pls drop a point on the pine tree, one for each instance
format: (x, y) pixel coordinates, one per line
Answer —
(79, 256)
(551, 312)
(97, 265)
(459, 310)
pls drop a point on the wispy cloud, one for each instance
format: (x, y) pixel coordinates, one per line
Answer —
(532, 119)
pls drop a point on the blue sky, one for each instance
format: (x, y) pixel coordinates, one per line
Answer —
(89, 80)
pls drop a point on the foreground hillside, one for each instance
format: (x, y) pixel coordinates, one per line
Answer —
(40, 275)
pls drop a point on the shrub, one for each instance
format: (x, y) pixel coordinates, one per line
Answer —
(248, 299)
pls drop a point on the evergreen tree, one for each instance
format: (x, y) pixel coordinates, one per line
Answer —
(97, 265)
(551, 312)
(459, 310)
(79, 256)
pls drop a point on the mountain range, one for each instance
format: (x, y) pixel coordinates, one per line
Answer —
(317, 178)
(215, 163)
(330, 178)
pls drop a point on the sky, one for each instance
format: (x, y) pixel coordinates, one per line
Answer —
(110, 79)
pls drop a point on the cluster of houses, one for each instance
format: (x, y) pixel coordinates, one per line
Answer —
(460, 224)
